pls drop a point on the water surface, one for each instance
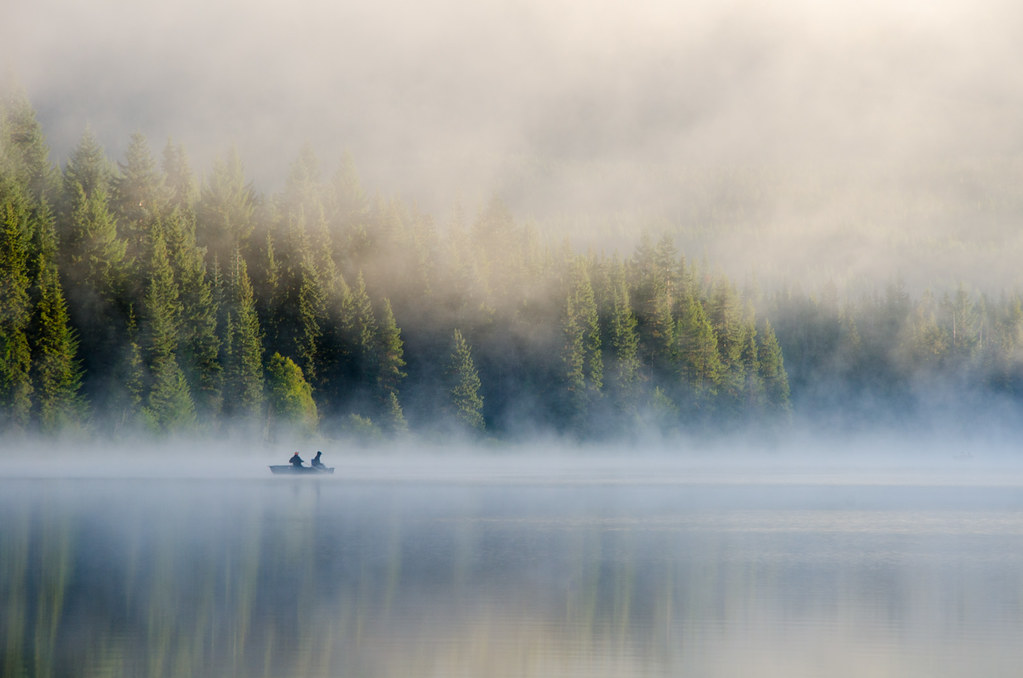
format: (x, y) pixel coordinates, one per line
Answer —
(578, 570)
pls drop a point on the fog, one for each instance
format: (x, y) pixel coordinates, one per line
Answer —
(395, 569)
(849, 141)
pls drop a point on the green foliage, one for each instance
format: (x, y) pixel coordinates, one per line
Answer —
(464, 391)
(57, 371)
(581, 354)
(226, 207)
(16, 232)
(242, 350)
(289, 396)
(592, 345)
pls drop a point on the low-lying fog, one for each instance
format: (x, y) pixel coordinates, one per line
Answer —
(535, 563)
(864, 458)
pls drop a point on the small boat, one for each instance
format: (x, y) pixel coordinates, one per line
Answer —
(286, 469)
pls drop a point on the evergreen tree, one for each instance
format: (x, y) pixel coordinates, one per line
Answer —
(624, 341)
(16, 232)
(581, 355)
(389, 352)
(198, 341)
(23, 145)
(724, 311)
(57, 371)
(290, 397)
(699, 364)
(132, 375)
(772, 369)
(182, 191)
(139, 197)
(360, 328)
(753, 386)
(168, 401)
(312, 316)
(92, 266)
(395, 415)
(226, 213)
(466, 401)
(242, 348)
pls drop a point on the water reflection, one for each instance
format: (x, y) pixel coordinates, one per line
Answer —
(292, 578)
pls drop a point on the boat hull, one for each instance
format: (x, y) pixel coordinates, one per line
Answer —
(288, 469)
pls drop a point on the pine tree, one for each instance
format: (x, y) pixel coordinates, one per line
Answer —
(772, 370)
(390, 356)
(23, 145)
(139, 197)
(581, 355)
(242, 348)
(753, 386)
(168, 402)
(624, 341)
(92, 266)
(198, 341)
(466, 401)
(360, 329)
(394, 415)
(312, 316)
(182, 191)
(724, 310)
(57, 371)
(226, 212)
(16, 232)
(699, 364)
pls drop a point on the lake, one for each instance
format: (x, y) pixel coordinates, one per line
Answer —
(411, 567)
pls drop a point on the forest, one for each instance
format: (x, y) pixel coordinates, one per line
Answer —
(138, 296)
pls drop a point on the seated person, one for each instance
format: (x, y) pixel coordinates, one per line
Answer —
(316, 463)
(296, 460)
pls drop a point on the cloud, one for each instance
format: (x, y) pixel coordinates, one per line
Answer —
(854, 111)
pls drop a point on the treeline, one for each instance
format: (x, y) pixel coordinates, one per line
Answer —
(952, 358)
(136, 296)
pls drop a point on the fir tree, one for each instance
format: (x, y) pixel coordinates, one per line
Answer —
(226, 208)
(139, 197)
(182, 191)
(242, 349)
(16, 232)
(699, 364)
(92, 266)
(22, 142)
(466, 401)
(57, 371)
(198, 341)
(581, 355)
(772, 369)
(311, 320)
(168, 402)
(624, 341)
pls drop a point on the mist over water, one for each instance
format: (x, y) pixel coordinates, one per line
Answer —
(529, 568)
(791, 145)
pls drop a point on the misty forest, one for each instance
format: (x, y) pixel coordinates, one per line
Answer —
(138, 296)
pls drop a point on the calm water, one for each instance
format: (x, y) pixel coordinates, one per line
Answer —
(511, 575)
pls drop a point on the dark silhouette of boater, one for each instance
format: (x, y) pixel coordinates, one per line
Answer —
(316, 463)
(296, 460)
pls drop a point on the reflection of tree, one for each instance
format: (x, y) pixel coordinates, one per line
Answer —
(341, 578)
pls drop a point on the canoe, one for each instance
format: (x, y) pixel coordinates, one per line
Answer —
(288, 469)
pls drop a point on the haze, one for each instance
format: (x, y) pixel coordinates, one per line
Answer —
(842, 139)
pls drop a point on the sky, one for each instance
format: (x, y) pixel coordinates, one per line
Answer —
(844, 135)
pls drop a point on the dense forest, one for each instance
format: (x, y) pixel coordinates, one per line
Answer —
(137, 296)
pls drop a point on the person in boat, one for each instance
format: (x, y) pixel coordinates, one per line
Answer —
(316, 463)
(296, 460)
